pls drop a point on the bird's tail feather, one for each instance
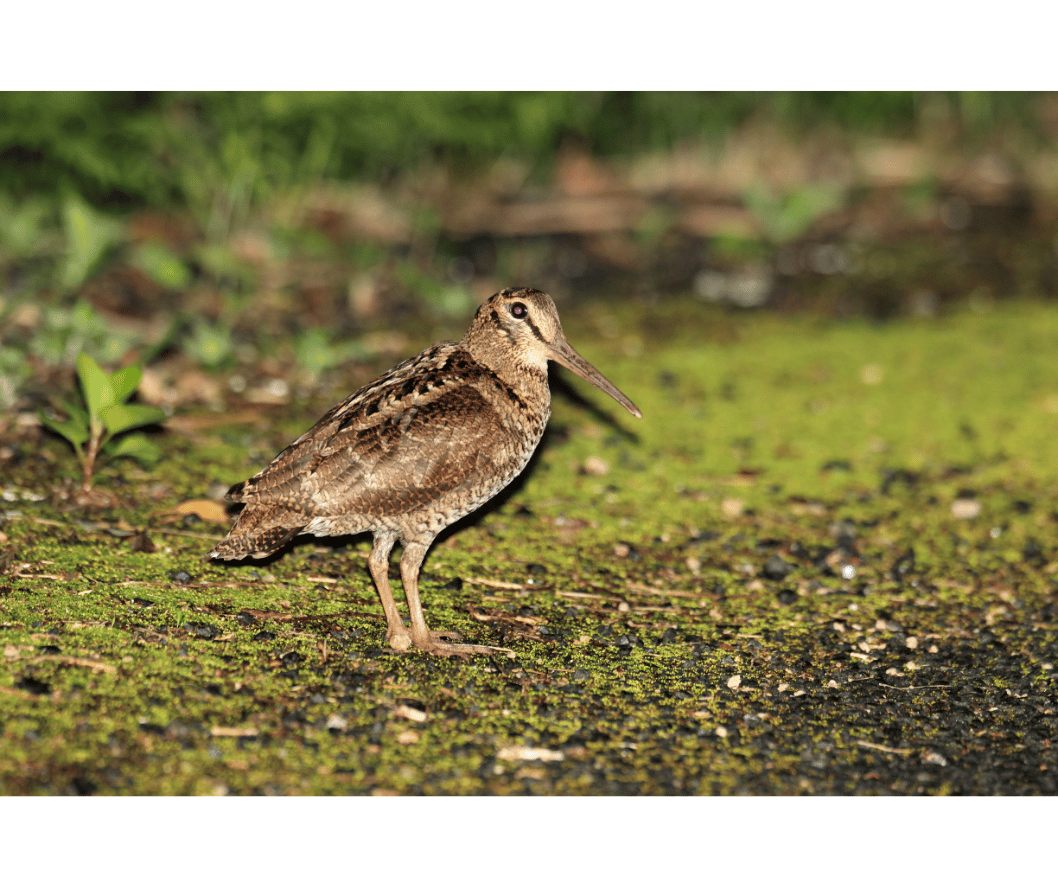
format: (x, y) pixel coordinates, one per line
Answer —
(249, 539)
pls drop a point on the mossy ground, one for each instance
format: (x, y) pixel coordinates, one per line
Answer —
(823, 563)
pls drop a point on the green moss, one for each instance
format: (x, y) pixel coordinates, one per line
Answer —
(653, 651)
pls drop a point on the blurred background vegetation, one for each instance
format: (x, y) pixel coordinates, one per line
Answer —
(124, 151)
(225, 228)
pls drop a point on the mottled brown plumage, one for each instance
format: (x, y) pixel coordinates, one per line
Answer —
(417, 449)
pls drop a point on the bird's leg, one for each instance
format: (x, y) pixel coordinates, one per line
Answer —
(378, 563)
(421, 636)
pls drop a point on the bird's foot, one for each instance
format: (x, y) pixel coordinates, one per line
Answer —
(434, 642)
(399, 640)
(440, 648)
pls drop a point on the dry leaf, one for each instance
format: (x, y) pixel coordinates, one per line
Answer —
(206, 509)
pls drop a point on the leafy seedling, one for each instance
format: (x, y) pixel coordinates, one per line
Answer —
(209, 345)
(315, 352)
(89, 235)
(95, 430)
(784, 217)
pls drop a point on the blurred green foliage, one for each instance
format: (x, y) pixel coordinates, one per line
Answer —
(219, 152)
(785, 217)
(89, 234)
(317, 349)
(66, 332)
(13, 372)
(77, 169)
(209, 344)
(162, 265)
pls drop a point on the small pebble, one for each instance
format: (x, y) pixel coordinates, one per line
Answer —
(596, 467)
(732, 507)
(734, 682)
(872, 374)
(776, 568)
(965, 509)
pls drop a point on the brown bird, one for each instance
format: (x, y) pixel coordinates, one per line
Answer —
(417, 449)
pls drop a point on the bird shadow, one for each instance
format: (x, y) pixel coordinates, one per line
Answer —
(603, 415)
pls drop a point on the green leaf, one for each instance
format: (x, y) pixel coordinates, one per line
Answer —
(75, 432)
(313, 350)
(98, 392)
(210, 345)
(22, 224)
(163, 266)
(77, 413)
(120, 417)
(124, 382)
(135, 447)
(784, 217)
(88, 236)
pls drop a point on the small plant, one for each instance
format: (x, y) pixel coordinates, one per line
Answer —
(209, 345)
(784, 217)
(67, 331)
(93, 430)
(89, 236)
(315, 351)
(13, 372)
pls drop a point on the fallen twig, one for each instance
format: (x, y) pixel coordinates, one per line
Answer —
(884, 748)
(664, 592)
(583, 595)
(94, 664)
(919, 687)
(493, 583)
(235, 732)
(20, 694)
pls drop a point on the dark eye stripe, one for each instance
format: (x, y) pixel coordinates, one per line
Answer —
(536, 331)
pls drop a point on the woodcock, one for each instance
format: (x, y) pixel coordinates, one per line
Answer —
(416, 450)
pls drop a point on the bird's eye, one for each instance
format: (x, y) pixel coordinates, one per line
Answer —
(519, 311)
